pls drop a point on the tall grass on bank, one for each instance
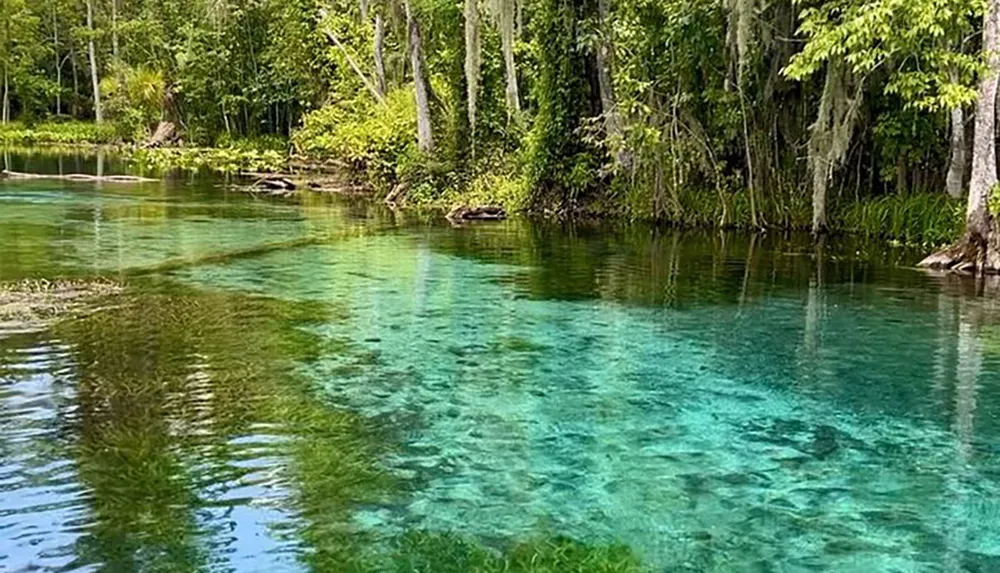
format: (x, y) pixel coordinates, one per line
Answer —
(921, 218)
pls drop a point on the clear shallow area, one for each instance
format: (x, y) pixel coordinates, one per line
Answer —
(322, 385)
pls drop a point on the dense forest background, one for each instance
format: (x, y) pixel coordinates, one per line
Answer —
(852, 114)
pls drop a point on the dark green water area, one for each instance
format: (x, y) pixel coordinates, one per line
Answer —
(319, 384)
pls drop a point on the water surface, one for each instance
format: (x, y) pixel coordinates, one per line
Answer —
(319, 384)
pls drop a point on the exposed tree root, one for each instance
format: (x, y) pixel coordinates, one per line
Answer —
(973, 253)
(397, 194)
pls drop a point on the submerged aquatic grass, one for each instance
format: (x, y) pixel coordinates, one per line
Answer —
(426, 552)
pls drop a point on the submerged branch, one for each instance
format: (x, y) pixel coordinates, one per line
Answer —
(78, 177)
(212, 258)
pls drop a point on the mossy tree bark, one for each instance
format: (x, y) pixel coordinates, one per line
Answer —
(830, 136)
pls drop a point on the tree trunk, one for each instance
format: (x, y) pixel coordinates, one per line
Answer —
(379, 96)
(984, 160)
(820, 179)
(955, 181)
(379, 55)
(354, 66)
(612, 120)
(59, 60)
(92, 52)
(901, 173)
(114, 30)
(5, 117)
(980, 247)
(471, 13)
(425, 134)
(73, 108)
(507, 12)
(5, 113)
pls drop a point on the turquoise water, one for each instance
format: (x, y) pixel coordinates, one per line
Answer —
(310, 384)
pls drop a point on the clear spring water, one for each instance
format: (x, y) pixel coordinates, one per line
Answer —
(299, 385)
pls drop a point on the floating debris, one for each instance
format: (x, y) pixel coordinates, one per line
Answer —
(29, 305)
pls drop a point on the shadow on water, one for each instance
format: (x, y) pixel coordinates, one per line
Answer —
(645, 265)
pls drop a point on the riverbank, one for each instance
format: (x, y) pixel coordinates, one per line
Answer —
(381, 159)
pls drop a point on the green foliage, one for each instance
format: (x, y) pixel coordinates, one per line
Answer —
(994, 202)
(508, 190)
(906, 136)
(223, 159)
(725, 207)
(134, 99)
(561, 166)
(914, 37)
(367, 135)
(68, 133)
(21, 46)
(498, 181)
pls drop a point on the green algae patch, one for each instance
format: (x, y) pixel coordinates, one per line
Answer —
(32, 304)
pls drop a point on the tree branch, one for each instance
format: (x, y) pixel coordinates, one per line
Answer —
(347, 55)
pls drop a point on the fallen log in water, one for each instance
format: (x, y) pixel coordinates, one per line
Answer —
(78, 177)
(288, 184)
(463, 213)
